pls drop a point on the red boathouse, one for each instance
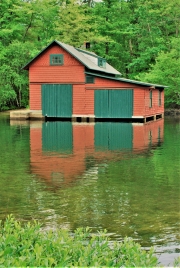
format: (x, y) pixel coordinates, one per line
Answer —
(67, 82)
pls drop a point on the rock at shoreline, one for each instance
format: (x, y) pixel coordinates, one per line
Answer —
(172, 112)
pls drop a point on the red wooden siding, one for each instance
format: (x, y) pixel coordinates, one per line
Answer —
(138, 105)
(53, 74)
(83, 100)
(42, 72)
(155, 109)
(90, 101)
(107, 83)
(35, 96)
(79, 99)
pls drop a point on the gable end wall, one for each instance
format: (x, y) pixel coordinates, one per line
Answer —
(41, 72)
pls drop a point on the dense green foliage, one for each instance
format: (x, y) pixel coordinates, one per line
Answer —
(27, 245)
(139, 38)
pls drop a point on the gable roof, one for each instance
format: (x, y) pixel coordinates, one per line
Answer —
(119, 79)
(88, 59)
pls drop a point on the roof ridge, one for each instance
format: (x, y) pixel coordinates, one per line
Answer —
(87, 52)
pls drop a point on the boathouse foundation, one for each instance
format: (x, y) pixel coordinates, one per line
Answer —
(26, 114)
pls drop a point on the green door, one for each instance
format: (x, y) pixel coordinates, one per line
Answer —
(101, 103)
(114, 103)
(57, 100)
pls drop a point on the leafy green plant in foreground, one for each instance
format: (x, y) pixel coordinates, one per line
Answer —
(27, 245)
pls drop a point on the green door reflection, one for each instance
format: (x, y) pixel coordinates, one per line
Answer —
(113, 136)
(57, 137)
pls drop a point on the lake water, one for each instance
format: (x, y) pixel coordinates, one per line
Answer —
(121, 177)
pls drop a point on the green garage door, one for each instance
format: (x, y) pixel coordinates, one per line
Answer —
(114, 103)
(57, 100)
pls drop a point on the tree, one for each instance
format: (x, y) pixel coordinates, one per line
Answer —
(112, 24)
(133, 35)
(166, 71)
(14, 80)
(9, 29)
(73, 23)
(153, 26)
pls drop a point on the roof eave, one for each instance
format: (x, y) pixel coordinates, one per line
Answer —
(26, 67)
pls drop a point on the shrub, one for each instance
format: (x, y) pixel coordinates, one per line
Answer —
(27, 245)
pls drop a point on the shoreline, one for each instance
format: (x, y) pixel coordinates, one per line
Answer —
(167, 112)
(172, 112)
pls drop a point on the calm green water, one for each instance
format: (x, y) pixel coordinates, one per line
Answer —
(116, 176)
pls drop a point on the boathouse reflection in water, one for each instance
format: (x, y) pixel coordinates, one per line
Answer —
(60, 150)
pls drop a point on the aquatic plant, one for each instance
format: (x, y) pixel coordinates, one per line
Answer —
(28, 245)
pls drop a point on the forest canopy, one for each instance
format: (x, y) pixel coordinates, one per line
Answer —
(140, 38)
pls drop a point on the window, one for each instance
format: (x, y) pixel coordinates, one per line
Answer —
(56, 59)
(102, 62)
(150, 98)
(89, 79)
(160, 98)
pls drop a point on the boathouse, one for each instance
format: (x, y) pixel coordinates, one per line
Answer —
(68, 82)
